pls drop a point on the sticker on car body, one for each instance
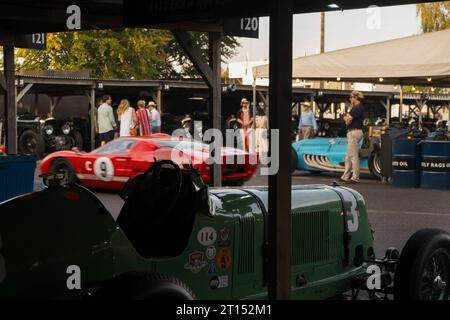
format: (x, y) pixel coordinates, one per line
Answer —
(224, 258)
(104, 169)
(196, 262)
(211, 252)
(207, 236)
(219, 282)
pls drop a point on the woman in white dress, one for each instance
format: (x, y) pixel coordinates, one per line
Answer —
(127, 118)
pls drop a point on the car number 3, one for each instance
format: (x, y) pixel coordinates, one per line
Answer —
(352, 224)
(2, 264)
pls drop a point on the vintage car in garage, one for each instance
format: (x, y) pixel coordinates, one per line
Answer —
(175, 238)
(40, 136)
(110, 166)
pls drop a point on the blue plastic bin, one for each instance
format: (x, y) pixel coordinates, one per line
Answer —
(16, 175)
(435, 165)
(405, 163)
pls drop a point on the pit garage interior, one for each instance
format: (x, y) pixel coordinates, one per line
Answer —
(67, 95)
(24, 17)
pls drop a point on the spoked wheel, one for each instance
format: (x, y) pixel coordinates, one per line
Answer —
(423, 271)
(436, 277)
(31, 142)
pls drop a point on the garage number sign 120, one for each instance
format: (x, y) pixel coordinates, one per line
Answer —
(244, 27)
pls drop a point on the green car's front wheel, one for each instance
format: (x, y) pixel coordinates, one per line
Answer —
(423, 272)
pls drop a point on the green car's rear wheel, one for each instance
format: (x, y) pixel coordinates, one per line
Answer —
(423, 272)
(145, 286)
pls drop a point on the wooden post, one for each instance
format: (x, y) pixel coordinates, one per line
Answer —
(280, 88)
(215, 96)
(400, 107)
(10, 103)
(92, 115)
(159, 101)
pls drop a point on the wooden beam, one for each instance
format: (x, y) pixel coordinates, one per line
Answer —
(262, 97)
(159, 101)
(388, 111)
(280, 70)
(92, 115)
(11, 106)
(195, 55)
(2, 83)
(215, 96)
(23, 92)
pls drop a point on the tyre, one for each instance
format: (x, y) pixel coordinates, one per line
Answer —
(145, 286)
(61, 164)
(31, 142)
(294, 160)
(375, 165)
(78, 140)
(423, 271)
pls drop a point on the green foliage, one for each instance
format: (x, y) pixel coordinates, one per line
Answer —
(117, 54)
(435, 16)
(177, 55)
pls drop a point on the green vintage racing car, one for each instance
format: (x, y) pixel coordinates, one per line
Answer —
(175, 238)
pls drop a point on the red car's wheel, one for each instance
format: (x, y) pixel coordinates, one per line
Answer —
(61, 164)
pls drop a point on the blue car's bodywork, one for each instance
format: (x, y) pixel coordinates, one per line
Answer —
(326, 154)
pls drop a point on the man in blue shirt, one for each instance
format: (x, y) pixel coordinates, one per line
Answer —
(354, 121)
(307, 125)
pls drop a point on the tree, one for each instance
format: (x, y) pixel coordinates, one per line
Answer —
(126, 54)
(434, 16)
(119, 54)
(178, 56)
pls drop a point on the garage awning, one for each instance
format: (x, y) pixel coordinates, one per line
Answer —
(411, 60)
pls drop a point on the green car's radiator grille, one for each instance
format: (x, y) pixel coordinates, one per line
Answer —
(247, 247)
(314, 237)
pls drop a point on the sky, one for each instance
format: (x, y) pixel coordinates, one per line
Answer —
(343, 29)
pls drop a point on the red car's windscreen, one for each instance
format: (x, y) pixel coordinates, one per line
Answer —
(116, 147)
(183, 145)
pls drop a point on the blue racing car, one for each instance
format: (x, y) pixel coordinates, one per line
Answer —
(328, 154)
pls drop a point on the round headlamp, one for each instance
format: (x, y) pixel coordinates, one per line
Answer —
(48, 130)
(65, 128)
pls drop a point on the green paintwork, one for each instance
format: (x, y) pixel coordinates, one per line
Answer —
(43, 233)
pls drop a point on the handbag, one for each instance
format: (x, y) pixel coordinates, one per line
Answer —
(133, 131)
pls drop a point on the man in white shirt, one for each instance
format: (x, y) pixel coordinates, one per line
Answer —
(155, 123)
(106, 122)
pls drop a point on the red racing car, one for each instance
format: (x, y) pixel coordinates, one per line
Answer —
(111, 165)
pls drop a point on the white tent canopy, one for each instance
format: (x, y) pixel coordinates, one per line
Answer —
(411, 60)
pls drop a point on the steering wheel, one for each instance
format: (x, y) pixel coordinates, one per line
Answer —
(165, 183)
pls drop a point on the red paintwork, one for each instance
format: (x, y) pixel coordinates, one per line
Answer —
(2, 149)
(140, 157)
